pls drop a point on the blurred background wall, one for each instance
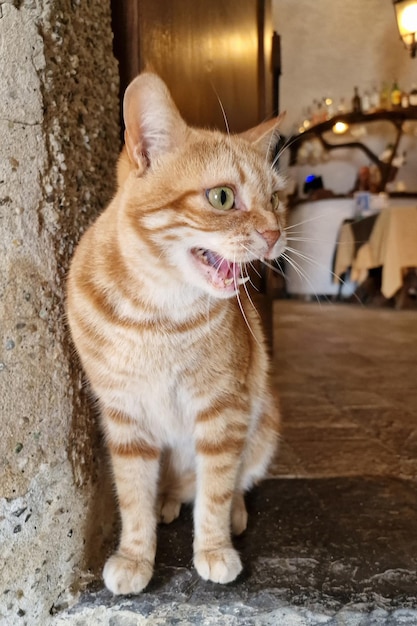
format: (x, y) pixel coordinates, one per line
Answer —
(328, 48)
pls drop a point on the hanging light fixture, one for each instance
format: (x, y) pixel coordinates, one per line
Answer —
(406, 14)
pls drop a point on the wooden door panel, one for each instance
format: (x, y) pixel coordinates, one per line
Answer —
(204, 50)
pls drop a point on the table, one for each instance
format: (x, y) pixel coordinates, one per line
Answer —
(391, 244)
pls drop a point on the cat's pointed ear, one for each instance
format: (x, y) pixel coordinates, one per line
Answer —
(265, 135)
(153, 123)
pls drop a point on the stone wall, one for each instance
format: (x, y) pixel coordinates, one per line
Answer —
(59, 139)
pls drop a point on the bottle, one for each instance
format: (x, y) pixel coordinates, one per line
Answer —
(366, 102)
(342, 108)
(319, 113)
(375, 99)
(306, 118)
(328, 103)
(315, 113)
(384, 97)
(413, 96)
(395, 95)
(356, 102)
(405, 100)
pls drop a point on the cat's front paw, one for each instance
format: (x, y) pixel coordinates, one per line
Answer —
(123, 575)
(220, 566)
(169, 509)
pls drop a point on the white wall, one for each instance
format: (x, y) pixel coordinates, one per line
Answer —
(327, 48)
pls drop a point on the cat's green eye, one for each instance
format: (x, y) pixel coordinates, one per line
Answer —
(275, 201)
(221, 198)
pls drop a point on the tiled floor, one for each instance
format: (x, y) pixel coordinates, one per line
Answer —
(347, 378)
(332, 535)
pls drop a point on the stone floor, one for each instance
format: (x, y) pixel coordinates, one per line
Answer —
(347, 378)
(332, 534)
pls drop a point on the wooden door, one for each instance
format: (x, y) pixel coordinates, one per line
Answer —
(205, 50)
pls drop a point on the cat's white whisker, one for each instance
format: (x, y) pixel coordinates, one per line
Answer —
(294, 232)
(286, 145)
(254, 268)
(252, 284)
(236, 285)
(276, 267)
(242, 310)
(312, 261)
(307, 257)
(226, 123)
(251, 300)
(300, 273)
(308, 240)
(251, 262)
(268, 152)
(280, 270)
(311, 219)
(246, 276)
(293, 263)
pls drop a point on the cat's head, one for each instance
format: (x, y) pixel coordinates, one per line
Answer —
(204, 203)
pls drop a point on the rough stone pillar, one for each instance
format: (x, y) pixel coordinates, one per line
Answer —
(59, 139)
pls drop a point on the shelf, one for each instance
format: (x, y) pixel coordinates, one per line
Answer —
(396, 117)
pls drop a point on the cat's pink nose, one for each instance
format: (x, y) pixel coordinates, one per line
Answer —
(271, 237)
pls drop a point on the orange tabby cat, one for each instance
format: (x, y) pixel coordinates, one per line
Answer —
(174, 355)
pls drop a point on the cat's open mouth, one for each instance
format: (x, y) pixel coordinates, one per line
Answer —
(221, 273)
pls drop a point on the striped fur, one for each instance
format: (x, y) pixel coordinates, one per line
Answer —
(180, 375)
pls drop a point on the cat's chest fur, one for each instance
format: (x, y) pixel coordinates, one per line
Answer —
(162, 375)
